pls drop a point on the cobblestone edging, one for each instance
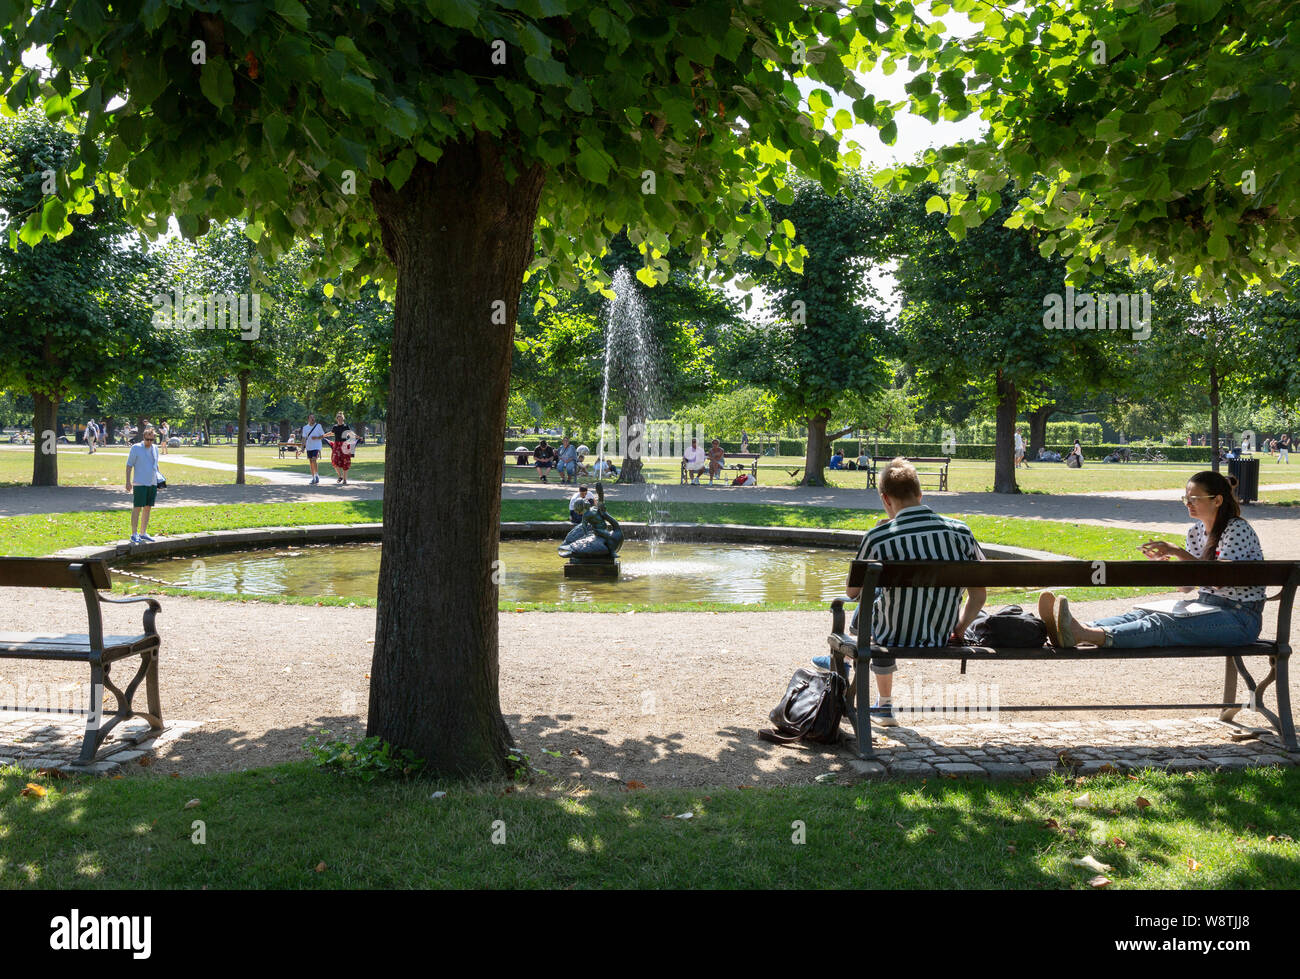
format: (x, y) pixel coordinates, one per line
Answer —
(1032, 750)
(224, 540)
(33, 740)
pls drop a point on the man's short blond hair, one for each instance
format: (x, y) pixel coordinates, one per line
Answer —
(899, 480)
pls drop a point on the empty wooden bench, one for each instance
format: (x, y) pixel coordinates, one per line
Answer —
(938, 468)
(1284, 575)
(93, 647)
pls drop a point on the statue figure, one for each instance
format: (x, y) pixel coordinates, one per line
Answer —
(596, 536)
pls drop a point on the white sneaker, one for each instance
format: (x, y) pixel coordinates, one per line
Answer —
(883, 716)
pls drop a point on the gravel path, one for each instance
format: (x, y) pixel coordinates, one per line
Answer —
(674, 700)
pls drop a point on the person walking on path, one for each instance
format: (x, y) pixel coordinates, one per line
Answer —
(142, 478)
(92, 433)
(312, 435)
(164, 432)
(1217, 533)
(1020, 451)
(340, 456)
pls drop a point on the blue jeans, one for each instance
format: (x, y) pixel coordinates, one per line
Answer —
(568, 469)
(1238, 624)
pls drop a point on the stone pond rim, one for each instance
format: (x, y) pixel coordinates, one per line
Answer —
(243, 539)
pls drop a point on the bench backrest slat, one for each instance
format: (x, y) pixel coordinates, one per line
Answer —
(912, 458)
(1046, 574)
(46, 572)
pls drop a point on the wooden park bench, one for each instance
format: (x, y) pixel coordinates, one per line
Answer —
(739, 467)
(938, 468)
(294, 447)
(93, 647)
(1080, 574)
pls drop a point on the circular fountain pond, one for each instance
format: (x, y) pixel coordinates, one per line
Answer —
(531, 571)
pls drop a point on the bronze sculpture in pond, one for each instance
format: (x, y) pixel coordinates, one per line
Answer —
(597, 535)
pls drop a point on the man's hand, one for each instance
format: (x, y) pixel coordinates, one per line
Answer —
(128, 486)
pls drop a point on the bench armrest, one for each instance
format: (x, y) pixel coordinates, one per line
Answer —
(837, 612)
(153, 609)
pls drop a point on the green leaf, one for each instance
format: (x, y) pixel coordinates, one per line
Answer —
(274, 129)
(545, 71)
(591, 163)
(889, 132)
(936, 204)
(455, 13)
(292, 11)
(217, 83)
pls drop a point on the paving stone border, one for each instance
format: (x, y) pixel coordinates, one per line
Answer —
(995, 750)
(35, 740)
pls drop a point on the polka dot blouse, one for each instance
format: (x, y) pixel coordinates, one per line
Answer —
(1238, 543)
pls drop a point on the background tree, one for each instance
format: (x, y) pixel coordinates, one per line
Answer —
(75, 308)
(823, 353)
(972, 315)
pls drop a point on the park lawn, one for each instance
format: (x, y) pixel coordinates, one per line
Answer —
(973, 475)
(107, 467)
(1226, 830)
(368, 464)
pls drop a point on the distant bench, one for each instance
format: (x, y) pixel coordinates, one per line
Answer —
(938, 467)
(752, 466)
(1060, 574)
(93, 647)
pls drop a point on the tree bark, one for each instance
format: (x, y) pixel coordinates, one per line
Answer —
(284, 429)
(460, 236)
(45, 465)
(632, 470)
(242, 434)
(816, 451)
(1004, 451)
(1038, 429)
(1214, 417)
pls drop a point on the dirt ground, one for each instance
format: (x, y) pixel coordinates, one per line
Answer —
(674, 701)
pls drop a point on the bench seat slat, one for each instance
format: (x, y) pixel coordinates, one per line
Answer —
(991, 654)
(51, 645)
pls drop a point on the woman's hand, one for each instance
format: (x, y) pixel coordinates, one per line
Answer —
(1158, 550)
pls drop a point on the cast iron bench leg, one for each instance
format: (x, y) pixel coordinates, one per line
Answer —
(95, 716)
(1229, 689)
(861, 672)
(1286, 725)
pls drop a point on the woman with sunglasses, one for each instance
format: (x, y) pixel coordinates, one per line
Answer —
(1218, 533)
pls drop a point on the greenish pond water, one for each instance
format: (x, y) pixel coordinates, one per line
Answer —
(531, 571)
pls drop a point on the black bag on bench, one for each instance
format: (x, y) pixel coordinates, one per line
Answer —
(1009, 626)
(811, 709)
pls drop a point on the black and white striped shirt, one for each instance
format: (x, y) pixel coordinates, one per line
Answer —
(917, 616)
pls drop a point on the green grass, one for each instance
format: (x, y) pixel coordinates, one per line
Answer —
(135, 832)
(971, 475)
(107, 467)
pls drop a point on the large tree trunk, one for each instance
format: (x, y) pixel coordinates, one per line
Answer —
(242, 434)
(1004, 451)
(1214, 417)
(460, 237)
(45, 457)
(108, 431)
(284, 429)
(1038, 429)
(816, 451)
(632, 470)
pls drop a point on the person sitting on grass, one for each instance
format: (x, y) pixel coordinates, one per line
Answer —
(837, 460)
(864, 460)
(911, 616)
(1217, 533)
(543, 459)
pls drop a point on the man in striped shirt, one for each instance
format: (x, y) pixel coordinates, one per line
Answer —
(912, 616)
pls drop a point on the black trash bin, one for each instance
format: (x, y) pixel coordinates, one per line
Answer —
(1247, 473)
